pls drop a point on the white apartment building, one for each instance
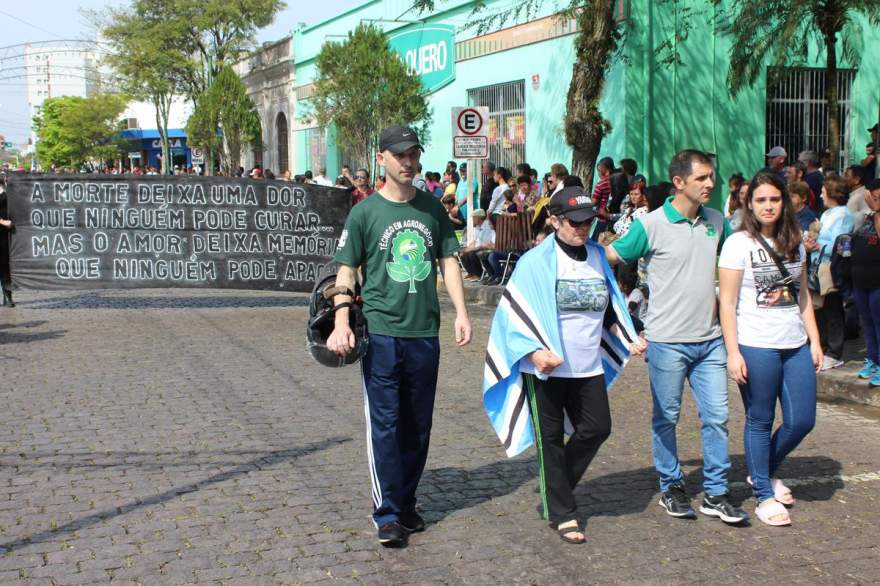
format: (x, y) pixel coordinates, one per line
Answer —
(53, 71)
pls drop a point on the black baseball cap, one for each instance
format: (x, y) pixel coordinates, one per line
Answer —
(398, 139)
(573, 203)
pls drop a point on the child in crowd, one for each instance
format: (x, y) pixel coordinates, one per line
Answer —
(636, 303)
(524, 192)
(455, 215)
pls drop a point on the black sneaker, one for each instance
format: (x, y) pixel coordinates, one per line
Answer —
(392, 534)
(677, 503)
(721, 507)
(412, 522)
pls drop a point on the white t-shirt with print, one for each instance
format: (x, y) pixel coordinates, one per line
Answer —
(581, 298)
(767, 314)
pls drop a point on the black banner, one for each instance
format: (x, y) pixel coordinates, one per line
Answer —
(105, 231)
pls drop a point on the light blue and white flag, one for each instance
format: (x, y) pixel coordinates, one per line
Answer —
(526, 321)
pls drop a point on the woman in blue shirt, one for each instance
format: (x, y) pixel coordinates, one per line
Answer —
(835, 220)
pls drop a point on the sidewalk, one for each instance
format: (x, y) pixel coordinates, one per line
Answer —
(840, 384)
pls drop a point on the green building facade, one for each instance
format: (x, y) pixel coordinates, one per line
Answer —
(522, 71)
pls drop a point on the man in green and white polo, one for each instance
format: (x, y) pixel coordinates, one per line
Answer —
(680, 242)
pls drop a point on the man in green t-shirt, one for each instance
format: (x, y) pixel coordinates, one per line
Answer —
(397, 236)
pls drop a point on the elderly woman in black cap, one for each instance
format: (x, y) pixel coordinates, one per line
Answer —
(561, 334)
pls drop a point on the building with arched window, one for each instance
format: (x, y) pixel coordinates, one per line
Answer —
(268, 75)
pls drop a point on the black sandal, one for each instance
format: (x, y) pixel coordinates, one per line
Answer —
(565, 531)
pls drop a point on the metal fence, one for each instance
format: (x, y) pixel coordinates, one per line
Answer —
(507, 121)
(797, 112)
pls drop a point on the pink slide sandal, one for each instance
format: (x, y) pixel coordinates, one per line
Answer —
(773, 513)
(780, 492)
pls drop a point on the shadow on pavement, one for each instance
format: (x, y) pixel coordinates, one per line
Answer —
(127, 460)
(443, 491)
(105, 300)
(630, 492)
(24, 324)
(265, 460)
(26, 338)
(446, 490)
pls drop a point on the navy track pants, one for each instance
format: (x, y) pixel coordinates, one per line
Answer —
(400, 382)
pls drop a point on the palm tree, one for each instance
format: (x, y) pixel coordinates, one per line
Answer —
(780, 32)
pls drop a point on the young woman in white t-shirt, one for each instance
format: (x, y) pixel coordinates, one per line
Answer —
(773, 347)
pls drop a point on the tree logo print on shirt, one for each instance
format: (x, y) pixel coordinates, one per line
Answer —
(409, 264)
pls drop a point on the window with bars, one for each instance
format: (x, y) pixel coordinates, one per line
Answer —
(507, 121)
(317, 145)
(797, 112)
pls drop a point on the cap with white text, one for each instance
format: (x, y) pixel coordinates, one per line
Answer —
(573, 203)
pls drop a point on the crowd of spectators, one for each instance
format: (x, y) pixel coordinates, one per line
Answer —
(836, 212)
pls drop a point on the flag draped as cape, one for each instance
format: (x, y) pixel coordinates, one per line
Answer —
(526, 321)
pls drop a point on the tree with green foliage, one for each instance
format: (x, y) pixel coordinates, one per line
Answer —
(218, 33)
(76, 132)
(225, 119)
(163, 48)
(361, 87)
(780, 33)
(145, 58)
(596, 46)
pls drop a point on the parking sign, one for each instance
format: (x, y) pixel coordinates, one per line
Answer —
(470, 132)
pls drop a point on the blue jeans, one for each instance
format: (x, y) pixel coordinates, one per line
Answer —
(704, 364)
(787, 375)
(868, 304)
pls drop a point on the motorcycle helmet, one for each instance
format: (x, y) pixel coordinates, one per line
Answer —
(322, 319)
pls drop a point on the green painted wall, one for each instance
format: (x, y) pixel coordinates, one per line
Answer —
(654, 110)
(669, 108)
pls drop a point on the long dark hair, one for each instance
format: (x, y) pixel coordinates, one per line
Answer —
(787, 231)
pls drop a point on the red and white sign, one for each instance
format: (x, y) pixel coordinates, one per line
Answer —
(470, 132)
(536, 81)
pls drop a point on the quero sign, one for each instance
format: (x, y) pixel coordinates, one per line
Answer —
(428, 51)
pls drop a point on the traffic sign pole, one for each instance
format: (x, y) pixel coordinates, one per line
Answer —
(471, 175)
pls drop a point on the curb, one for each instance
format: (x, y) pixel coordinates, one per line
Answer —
(842, 384)
(477, 293)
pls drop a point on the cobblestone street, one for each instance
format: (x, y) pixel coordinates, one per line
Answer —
(175, 437)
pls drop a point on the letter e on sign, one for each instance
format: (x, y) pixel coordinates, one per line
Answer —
(469, 122)
(470, 132)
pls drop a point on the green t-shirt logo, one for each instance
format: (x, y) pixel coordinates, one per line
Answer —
(710, 230)
(409, 264)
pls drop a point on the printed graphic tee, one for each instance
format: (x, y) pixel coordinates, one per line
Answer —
(581, 299)
(767, 314)
(397, 245)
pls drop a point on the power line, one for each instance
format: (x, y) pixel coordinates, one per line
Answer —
(30, 24)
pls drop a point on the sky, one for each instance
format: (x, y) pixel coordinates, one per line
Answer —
(46, 20)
